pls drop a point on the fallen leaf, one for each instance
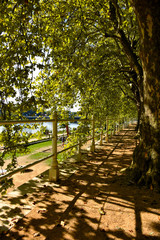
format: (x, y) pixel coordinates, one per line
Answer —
(14, 219)
(41, 210)
(62, 223)
(36, 234)
(101, 211)
(21, 227)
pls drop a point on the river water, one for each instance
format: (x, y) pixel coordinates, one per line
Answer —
(48, 126)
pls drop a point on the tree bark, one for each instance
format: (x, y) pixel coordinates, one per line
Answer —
(147, 154)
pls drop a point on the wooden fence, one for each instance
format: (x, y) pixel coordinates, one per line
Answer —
(112, 126)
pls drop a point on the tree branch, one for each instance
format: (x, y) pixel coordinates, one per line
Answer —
(129, 97)
(130, 54)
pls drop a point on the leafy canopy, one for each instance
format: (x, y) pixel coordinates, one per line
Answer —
(54, 54)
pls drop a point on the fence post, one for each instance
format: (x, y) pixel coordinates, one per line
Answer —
(101, 138)
(106, 129)
(123, 123)
(114, 127)
(129, 120)
(127, 123)
(117, 125)
(111, 129)
(120, 126)
(93, 135)
(79, 150)
(54, 171)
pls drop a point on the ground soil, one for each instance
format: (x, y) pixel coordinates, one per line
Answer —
(98, 201)
(30, 173)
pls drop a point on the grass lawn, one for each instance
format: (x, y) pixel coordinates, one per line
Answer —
(32, 148)
(39, 155)
(37, 146)
(36, 156)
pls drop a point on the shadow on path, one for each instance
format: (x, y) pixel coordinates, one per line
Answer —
(97, 202)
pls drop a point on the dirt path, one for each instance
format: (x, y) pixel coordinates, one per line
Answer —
(97, 202)
(30, 173)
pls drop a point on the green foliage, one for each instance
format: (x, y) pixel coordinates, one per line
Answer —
(55, 54)
(14, 140)
(78, 136)
(5, 184)
(84, 56)
(19, 47)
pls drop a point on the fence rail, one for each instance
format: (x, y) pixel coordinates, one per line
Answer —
(10, 122)
(114, 127)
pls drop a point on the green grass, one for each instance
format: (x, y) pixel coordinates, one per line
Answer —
(32, 148)
(36, 146)
(59, 158)
(37, 156)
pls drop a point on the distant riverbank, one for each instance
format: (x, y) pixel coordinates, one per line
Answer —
(48, 126)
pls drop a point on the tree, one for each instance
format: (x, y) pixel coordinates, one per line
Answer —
(84, 60)
(85, 30)
(88, 51)
(18, 48)
(147, 154)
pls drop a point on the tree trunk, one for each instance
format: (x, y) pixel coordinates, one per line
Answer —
(147, 154)
(137, 128)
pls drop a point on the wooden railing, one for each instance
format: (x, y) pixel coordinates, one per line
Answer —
(112, 127)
